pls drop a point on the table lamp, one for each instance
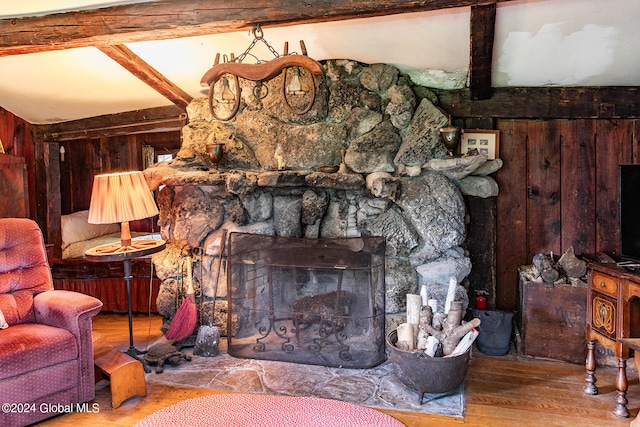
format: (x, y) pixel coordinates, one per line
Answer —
(119, 198)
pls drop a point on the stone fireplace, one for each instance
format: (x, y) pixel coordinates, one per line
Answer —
(400, 185)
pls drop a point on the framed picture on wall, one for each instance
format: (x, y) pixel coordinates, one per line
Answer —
(485, 141)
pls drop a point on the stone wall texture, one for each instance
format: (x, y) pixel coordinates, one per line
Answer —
(395, 180)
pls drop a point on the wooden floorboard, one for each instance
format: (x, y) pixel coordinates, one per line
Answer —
(500, 391)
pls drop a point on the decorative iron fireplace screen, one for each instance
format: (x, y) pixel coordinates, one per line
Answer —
(313, 301)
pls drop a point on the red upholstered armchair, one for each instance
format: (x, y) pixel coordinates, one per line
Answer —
(46, 347)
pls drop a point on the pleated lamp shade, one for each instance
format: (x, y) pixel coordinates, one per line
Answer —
(119, 198)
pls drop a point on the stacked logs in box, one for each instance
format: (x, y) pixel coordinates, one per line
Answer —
(434, 332)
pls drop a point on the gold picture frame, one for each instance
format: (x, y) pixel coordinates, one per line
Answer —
(485, 141)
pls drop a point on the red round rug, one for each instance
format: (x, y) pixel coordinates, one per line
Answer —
(259, 410)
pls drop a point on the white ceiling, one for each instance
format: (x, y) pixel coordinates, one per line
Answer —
(537, 43)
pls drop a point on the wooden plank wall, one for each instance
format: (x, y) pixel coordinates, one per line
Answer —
(89, 157)
(558, 185)
(14, 194)
(558, 188)
(85, 158)
(15, 135)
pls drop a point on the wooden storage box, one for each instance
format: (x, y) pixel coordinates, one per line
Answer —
(552, 321)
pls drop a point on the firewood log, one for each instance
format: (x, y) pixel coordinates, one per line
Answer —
(603, 258)
(545, 266)
(571, 265)
(452, 330)
(426, 315)
(425, 319)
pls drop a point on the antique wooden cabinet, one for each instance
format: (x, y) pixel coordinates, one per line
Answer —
(613, 313)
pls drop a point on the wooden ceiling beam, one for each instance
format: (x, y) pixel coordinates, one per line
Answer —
(169, 19)
(145, 72)
(169, 118)
(539, 103)
(483, 25)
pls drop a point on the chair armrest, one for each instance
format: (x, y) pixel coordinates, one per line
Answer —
(74, 312)
(65, 309)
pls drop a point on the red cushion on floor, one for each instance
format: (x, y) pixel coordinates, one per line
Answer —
(27, 347)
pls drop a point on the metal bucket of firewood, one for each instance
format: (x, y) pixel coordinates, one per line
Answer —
(426, 374)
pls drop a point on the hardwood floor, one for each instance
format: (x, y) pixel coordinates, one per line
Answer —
(500, 391)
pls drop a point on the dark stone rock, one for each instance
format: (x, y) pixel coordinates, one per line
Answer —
(282, 179)
(425, 93)
(314, 206)
(343, 96)
(401, 237)
(401, 279)
(435, 208)
(164, 201)
(372, 118)
(456, 167)
(379, 77)
(375, 150)
(401, 106)
(371, 101)
(241, 183)
(314, 145)
(361, 121)
(286, 216)
(235, 212)
(258, 204)
(259, 132)
(342, 69)
(338, 181)
(335, 221)
(194, 216)
(421, 142)
(166, 300)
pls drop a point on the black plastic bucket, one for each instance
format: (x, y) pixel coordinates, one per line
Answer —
(495, 331)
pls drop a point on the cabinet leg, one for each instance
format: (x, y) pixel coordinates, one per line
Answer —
(620, 410)
(590, 387)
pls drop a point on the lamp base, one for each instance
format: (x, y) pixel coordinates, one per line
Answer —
(135, 353)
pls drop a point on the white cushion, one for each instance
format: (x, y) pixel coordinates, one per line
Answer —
(76, 228)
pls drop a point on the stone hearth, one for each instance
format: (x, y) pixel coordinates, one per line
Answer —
(376, 387)
(399, 184)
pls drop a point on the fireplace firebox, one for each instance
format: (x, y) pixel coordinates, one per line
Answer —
(312, 301)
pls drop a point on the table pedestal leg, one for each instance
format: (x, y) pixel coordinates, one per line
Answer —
(590, 387)
(132, 351)
(620, 410)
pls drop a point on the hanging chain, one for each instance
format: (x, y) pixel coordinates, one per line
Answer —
(257, 36)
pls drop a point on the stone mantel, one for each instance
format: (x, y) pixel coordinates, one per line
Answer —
(164, 175)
